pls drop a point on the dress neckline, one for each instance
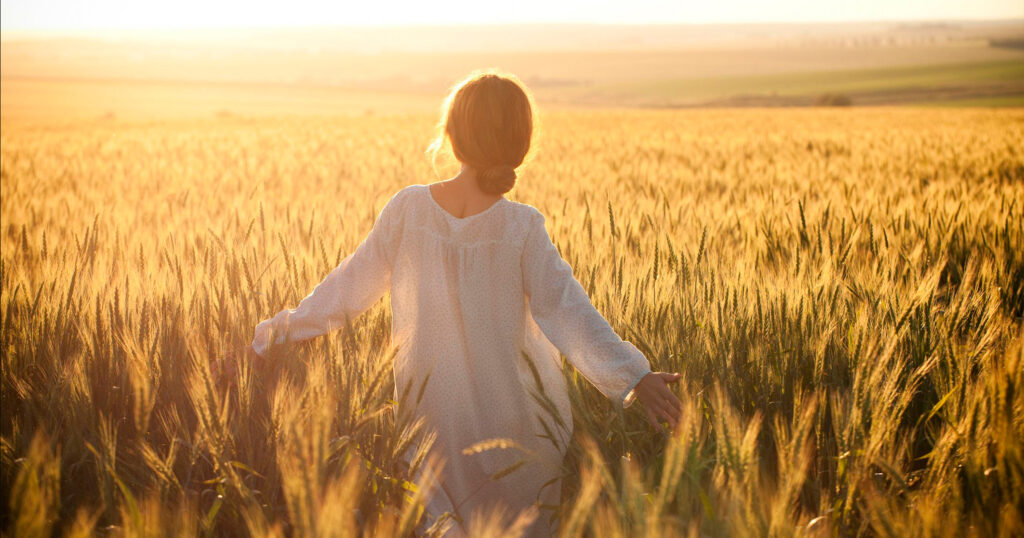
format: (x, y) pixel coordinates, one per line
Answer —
(430, 195)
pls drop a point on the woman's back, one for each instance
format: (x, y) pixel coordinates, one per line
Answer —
(458, 306)
(481, 307)
(462, 314)
(493, 286)
(457, 296)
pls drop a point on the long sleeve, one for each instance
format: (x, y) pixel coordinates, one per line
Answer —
(563, 311)
(358, 282)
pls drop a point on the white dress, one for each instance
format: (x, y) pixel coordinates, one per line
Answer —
(471, 299)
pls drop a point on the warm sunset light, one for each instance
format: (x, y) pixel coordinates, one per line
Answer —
(130, 14)
(511, 269)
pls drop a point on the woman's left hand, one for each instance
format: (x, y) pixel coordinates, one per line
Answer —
(659, 401)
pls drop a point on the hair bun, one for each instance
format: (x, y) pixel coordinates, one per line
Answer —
(497, 179)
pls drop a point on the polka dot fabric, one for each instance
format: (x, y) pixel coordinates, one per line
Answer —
(484, 305)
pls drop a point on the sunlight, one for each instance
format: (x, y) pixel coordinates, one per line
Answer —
(681, 268)
(129, 14)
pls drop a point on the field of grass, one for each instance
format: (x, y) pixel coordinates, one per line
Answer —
(865, 86)
(75, 101)
(842, 290)
(992, 102)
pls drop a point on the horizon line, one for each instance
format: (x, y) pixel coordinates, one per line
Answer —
(441, 25)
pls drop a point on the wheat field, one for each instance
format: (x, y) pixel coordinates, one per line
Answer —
(842, 290)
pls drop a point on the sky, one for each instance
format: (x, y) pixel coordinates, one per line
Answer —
(181, 14)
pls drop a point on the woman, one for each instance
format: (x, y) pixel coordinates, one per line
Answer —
(483, 303)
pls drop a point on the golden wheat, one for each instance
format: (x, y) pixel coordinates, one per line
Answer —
(842, 290)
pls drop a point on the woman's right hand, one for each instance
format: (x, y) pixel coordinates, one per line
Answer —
(659, 401)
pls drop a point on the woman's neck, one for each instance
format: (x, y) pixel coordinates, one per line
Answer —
(465, 180)
(464, 185)
(461, 195)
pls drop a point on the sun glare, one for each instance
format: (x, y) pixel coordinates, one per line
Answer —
(129, 14)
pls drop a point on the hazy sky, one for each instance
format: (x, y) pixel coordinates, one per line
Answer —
(144, 14)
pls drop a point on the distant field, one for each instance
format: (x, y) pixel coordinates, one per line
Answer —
(90, 78)
(908, 84)
(994, 84)
(73, 100)
(1016, 101)
(435, 71)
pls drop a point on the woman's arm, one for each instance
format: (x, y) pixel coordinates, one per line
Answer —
(358, 282)
(562, 309)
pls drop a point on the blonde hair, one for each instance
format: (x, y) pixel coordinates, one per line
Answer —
(488, 119)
